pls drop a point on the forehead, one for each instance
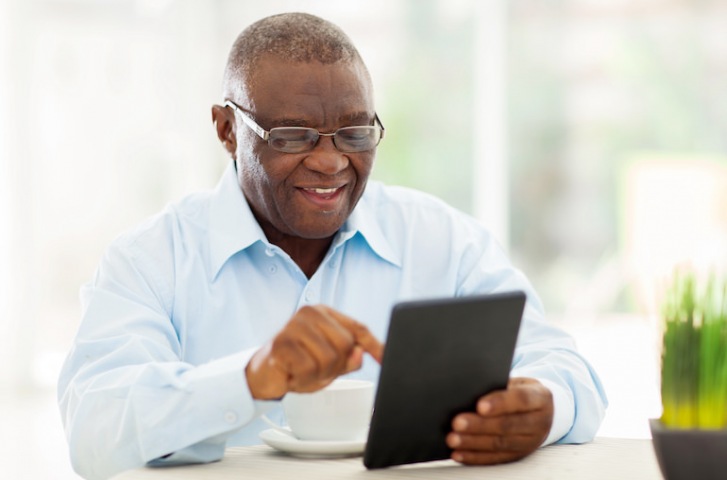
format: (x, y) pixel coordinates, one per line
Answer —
(279, 88)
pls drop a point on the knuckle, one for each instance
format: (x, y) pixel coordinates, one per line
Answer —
(506, 423)
(306, 369)
(330, 362)
(524, 395)
(282, 343)
(499, 442)
(306, 312)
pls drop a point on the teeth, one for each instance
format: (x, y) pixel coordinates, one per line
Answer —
(322, 191)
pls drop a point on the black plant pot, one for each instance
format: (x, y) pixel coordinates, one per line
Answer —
(690, 454)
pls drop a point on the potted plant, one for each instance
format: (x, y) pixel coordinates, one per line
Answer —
(690, 438)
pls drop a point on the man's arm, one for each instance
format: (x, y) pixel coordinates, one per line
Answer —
(554, 394)
(128, 399)
(125, 395)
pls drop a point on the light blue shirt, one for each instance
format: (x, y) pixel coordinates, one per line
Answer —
(178, 306)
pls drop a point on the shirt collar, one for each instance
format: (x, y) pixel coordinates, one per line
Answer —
(232, 225)
(234, 228)
(363, 220)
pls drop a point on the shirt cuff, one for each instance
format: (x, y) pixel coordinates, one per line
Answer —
(227, 402)
(563, 411)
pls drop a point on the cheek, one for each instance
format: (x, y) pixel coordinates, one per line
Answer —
(251, 173)
(363, 167)
(244, 150)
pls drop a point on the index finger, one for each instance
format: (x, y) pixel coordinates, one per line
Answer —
(361, 334)
(521, 395)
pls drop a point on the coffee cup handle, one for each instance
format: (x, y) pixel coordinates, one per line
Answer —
(277, 427)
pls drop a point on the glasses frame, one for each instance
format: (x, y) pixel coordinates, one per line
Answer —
(265, 134)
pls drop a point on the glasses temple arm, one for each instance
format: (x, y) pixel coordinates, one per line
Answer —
(249, 121)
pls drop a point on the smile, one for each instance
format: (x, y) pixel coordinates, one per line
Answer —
(327, 199)
(322, 191)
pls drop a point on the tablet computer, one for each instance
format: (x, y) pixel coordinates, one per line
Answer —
(440, 357)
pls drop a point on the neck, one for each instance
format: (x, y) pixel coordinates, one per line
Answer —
(307, 253)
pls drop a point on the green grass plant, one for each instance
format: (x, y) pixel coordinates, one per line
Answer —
(694, 353)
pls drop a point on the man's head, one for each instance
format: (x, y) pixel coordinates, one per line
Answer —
(297, 70)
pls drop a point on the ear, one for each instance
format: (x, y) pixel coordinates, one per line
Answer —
(224, 120)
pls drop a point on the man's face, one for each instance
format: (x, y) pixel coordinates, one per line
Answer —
(308, 195)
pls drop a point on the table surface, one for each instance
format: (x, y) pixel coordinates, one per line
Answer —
(604, 458)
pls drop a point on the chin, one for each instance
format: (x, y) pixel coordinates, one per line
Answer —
(318, 231)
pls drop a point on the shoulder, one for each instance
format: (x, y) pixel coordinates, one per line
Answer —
(413, 209)
(145, 258)
(153, 247)
(182, 218)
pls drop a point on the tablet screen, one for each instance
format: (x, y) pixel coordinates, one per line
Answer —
(440, 356)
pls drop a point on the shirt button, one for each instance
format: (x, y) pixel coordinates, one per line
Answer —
(332, 264)
(272, 269)
(269, 252)
(230, 417)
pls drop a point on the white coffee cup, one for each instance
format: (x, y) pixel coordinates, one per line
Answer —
(339, 412)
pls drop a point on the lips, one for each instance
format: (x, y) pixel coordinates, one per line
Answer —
(322, 191)
(323, 197)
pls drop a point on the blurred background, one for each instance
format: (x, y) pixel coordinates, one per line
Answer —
(590, 135)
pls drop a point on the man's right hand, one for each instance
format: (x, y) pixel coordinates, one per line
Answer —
(317, 345)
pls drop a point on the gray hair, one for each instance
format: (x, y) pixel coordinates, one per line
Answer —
(295, 37)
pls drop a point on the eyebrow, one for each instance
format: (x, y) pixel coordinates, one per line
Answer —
(361, 117)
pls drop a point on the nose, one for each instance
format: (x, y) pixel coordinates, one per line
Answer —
(325, 158)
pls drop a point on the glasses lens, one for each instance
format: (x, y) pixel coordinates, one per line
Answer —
(293, 139)
(357, 139)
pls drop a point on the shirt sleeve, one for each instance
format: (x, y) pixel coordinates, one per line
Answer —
(126, 397)
(549, 355)
(543, 351)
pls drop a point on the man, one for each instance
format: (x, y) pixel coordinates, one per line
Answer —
(282, 279)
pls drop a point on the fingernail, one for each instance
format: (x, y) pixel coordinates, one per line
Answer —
(460, 424)
(455, 441)
(483, 407)
(457, 457)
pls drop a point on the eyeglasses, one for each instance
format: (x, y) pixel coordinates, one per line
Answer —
(302, 139)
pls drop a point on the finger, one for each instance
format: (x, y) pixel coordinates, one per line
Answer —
(276, 369)
(324, 337)
(493, 443)
(290, 354)
(326, 343)
(516, 424)
(522, 395)
(362, 335)
(355, 360)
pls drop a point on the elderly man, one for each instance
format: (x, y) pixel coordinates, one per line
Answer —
(282, 279)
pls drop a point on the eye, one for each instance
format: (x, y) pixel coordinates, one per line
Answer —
(357, 136)
(292, 139)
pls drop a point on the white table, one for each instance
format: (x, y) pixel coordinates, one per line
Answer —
(603, 459)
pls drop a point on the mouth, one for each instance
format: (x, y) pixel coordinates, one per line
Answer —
(322, 191)
(326, 198)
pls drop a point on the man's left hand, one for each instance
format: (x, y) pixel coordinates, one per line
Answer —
(508, 425)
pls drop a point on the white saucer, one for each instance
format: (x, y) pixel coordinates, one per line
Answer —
(312, 448)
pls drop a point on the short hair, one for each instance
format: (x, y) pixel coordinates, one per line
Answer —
(296, 37)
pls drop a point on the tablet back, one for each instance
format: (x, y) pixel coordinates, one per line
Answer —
(440, 357)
